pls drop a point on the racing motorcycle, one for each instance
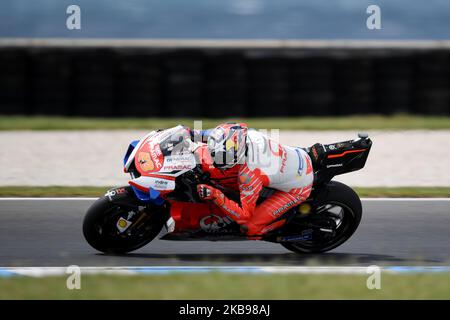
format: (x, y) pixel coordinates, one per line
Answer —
(161, 199)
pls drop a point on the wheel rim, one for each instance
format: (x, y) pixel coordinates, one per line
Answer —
(107, 230)
(342, 215)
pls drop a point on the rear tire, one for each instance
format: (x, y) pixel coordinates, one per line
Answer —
(342, 196)
(100, 232)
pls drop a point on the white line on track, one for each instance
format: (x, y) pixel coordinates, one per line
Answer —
(92, 199)
(46, 199)
(55, 271)
(405, 199)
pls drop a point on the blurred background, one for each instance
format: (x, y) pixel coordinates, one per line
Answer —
(72, 100)
(233, 19)
(157, 77)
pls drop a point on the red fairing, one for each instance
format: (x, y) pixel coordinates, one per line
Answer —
(149, 158)
(196, 216)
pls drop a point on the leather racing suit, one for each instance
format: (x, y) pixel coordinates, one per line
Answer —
(286, 169)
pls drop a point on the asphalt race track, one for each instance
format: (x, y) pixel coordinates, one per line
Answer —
(48, 233)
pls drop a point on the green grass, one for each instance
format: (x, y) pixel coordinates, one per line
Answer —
(366, 122)
(52, 191)
(81, 191)
(229, 286)
(403, 192)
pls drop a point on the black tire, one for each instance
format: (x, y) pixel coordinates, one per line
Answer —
(345, 197)
(99, 215)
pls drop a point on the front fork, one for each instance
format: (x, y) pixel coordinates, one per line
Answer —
(144, 217)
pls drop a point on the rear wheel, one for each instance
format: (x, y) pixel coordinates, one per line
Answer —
(101, 232)
(333, 222)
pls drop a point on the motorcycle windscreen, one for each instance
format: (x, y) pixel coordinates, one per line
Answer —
(167, 151)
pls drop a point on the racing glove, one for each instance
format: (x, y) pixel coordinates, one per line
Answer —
(206, 192)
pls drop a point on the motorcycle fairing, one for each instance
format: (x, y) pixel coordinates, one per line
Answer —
(178, 164)
(160, 158)
(156, 135)
(130, 150)
(149, 157)
(199, 219)
(164, 181)
(149, 154)
(129, 158)
(148, 195)
(159, 183)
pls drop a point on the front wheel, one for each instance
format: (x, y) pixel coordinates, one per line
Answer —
(101, 232)
(333, 222)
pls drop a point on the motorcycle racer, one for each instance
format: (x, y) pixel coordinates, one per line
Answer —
(246, 179)
(254, 161)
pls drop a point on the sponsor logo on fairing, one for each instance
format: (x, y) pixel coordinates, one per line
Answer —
(145, 161)
(156, 153)
(178, 162)
(162, 183)
(213, 223)
(114, 192)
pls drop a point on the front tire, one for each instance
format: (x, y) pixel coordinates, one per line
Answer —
(100, 231)
(340, 196)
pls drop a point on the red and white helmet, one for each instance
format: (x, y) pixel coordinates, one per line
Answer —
(227, 144)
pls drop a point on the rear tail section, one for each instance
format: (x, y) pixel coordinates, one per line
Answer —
(341, 157)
